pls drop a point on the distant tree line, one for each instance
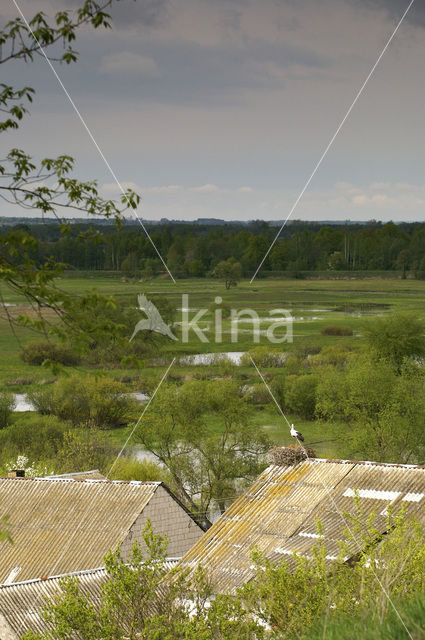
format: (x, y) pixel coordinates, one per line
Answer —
(194, 250)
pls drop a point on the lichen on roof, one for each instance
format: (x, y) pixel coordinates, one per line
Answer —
(278, 514)
(66, 524)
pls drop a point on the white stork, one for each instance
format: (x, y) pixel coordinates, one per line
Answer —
(296, 434)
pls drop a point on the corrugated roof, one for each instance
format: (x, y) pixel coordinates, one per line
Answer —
(22, 603)
(61, 525)
(278, 514)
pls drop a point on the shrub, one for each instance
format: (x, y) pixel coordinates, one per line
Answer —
(83, 451)
(143, 470)
(334, 330)
(396, 337)
(292, 365)
(226, 367)
(301, 395)
(34, 436)
(259, 394)
(86, 401)
(306, 350)
(36, 353)
(335, 355)
(263, 357)
(7, 405)
(277, 387)
(42, 400)
(32, 469)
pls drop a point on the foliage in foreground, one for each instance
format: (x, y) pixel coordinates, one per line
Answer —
(406, 620)
(47, 186)
(136, 602)
(299, 597)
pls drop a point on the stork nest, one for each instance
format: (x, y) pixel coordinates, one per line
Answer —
(290, 455)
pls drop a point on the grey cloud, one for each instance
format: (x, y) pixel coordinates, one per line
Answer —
(396, 8)
(192, 74)
(129, 63)
(140, 13)
(136, 13)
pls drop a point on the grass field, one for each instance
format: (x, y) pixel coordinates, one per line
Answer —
(313, 304)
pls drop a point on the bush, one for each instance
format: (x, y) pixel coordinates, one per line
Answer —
(7, 405)
(306, 350)
(293, 365)
(142, 470)
(83, 451)
(333, 330)
(396, 337)
(36, 437)
(277, 387)
(42, 400)
(301, 395)
(263, 357)
(86, 401)
(36, 353)
(259, 394)
(32, 469)
(227, 368)
(335, 355)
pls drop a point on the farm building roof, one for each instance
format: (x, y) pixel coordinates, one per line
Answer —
(278, 515)
(67, 524)
(22, 603)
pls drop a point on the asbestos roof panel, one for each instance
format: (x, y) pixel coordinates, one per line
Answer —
(64, 525)
(21, 604)
(280, 512)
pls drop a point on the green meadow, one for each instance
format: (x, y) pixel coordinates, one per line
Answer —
(313, 304)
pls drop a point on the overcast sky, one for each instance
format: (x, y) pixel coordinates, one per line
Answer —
(222, 108)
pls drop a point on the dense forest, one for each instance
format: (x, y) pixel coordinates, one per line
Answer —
(193, 250)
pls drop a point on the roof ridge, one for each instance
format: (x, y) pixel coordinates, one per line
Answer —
(82, 572)
(362, 462)
(86, 480)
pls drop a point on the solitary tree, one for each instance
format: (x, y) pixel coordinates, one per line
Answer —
(230, 271)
